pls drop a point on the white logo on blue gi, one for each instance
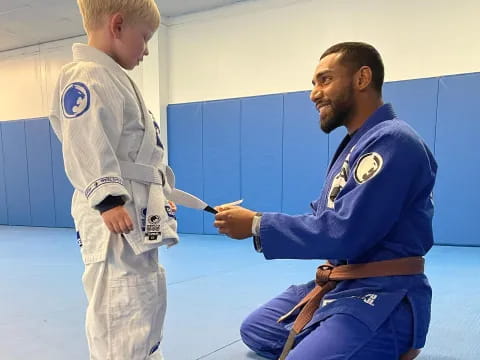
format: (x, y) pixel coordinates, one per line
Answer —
(75, 100)
(370, 299)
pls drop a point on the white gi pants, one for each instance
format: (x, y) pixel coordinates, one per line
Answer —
(126, 304)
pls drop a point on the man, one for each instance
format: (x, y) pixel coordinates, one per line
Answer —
(373, 220)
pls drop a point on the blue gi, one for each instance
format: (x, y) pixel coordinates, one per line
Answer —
(376, 204)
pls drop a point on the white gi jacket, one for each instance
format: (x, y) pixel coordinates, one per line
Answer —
(111, 147)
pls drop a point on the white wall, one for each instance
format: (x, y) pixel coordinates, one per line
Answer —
(21, 84)
(261, 47)
(28, 77)
(154, 79)
(272, 46)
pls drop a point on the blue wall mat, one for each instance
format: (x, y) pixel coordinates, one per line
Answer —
(261, 152)
(456, 193)
(42, 199)
(305, 154)
(61, 185)
(3, 191)
(221, 155)
(16, 172)
(415, 101)
(185, 157)
(334, 139)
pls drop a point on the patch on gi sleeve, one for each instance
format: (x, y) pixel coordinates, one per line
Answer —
(367, 167)
(94, 185)
(339, 181)
(75, 100)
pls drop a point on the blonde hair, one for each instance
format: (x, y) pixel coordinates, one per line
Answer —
(94, 12)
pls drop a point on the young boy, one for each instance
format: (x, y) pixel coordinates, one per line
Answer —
(114, 159)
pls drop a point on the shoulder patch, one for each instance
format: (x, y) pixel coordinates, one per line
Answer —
(367, 167)
(75, 100)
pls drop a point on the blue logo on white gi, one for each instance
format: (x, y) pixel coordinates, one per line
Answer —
(157, 131)
(75, 100)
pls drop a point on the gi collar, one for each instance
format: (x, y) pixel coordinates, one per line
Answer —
(84, 52)
(383, 113)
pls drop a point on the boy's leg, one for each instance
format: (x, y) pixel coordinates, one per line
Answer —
(127, 303)
(261, 332)
(96, 314)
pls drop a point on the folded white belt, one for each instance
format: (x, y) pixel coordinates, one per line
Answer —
(142, 173)
(148, 174)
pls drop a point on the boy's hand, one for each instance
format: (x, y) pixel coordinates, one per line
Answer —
(118, 220)
(173, 206)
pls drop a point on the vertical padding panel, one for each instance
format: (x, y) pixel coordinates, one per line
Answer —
(16, 173)
(221, 154)
(415, 101)
(456, 194)
(3, 190)
(261, 152)
(61, 185)
(185, 158)
(334, 140)
(40, 177)
(305, 154)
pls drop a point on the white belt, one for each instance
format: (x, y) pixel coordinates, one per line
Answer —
(146, 174)
(165, 177)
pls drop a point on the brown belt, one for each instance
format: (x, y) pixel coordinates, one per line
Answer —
(327, 277)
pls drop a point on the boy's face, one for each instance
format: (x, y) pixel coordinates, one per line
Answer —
(131, 44)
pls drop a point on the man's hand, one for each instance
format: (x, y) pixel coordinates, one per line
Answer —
(118, 220)
(234, 221)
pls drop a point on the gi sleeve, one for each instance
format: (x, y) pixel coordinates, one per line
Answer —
(89, 124)
(385, 176)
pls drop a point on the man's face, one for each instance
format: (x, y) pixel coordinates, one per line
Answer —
(332, 92)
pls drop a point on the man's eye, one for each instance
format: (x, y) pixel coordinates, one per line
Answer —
(326, 79)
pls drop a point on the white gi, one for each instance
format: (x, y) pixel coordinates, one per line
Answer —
(111, 147)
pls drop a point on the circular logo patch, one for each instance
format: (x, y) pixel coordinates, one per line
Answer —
(368, 166)
(154, 219)
(75, 100)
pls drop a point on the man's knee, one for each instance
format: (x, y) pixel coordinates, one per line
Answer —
(247, 331)
(256, 338)
(261, 332)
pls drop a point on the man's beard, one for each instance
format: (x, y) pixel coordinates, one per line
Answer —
(340, 111)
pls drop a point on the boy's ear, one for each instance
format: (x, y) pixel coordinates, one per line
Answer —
(117, 22)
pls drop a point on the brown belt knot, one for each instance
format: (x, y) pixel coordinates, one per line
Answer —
(323, 274)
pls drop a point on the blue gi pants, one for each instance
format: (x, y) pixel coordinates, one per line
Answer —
(338, 337)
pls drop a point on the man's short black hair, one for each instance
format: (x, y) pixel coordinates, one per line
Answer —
(358, 54)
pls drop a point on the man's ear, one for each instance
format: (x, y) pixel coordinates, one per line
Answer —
(363, 78)
(117, 23)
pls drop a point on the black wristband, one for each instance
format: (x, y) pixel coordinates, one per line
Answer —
(257, 244)
(109, 203)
